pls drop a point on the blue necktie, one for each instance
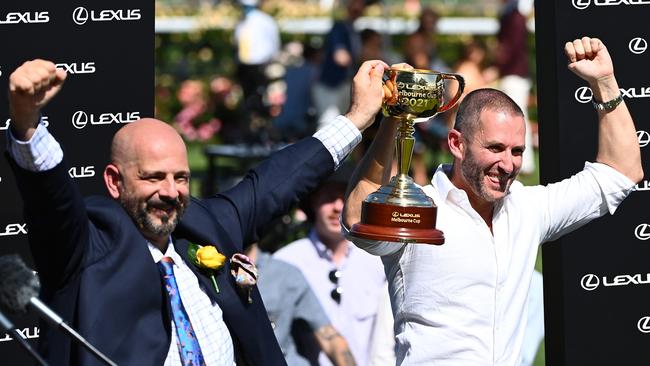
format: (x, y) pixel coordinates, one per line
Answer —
(189, 346)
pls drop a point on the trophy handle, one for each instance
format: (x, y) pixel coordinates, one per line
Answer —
(461, 87)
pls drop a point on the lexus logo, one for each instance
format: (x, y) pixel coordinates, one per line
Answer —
(590, 282)
(77, 67)
(80, 15)
(584, 94)
(14, 229)
(643, 137)
(26, 18)
(581, 4)
(644, 324)
(642, 232)
(79, 119)
(638, 45)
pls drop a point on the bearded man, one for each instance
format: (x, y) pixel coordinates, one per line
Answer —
(126, 270)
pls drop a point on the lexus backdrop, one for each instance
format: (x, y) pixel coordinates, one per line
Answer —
(106, 47)
(597, 279)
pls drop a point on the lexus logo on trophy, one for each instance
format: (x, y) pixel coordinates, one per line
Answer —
(400, 211)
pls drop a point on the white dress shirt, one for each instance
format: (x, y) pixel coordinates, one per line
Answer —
(42, 152)
(465, 302)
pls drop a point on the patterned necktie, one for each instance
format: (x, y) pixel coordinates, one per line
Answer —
(188, 344)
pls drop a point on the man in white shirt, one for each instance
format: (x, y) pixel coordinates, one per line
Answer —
(465, 302)
(257, 41)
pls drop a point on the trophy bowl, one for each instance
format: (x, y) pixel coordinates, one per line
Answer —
(400, 211)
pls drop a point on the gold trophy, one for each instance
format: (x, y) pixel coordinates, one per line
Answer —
(400, 211)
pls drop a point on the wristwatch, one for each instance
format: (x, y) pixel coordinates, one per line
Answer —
(609, 105)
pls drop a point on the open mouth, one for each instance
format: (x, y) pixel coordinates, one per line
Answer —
(162, 211)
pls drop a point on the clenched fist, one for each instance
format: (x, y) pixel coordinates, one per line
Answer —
(31, 86)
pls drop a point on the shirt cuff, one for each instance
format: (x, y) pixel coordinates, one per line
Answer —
(374, 247)
(339, 137)
(614, 185)
(40, 153)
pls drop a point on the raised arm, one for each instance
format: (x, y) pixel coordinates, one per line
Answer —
(31, 87)
(374, 168)
(274, 186)
(372, 171)
(618, 145)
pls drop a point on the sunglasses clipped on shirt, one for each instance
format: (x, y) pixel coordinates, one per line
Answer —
(334, 277)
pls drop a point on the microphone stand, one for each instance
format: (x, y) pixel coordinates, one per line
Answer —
(9, 327)
(57, 321)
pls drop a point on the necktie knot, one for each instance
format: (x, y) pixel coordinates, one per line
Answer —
(166, 266)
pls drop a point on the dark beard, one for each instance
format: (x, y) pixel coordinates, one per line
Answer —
(138, 212)
(474, 176)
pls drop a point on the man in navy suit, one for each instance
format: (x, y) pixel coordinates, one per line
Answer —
(100, 259)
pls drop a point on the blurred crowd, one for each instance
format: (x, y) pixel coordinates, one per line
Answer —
(280, 92)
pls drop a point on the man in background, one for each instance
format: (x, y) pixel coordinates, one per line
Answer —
(347, 281)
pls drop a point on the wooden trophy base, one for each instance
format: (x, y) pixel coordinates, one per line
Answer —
(403, 224)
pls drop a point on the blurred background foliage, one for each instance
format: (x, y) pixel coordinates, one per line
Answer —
(205, 52)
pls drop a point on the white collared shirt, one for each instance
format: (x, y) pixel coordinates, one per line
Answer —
(465, 302)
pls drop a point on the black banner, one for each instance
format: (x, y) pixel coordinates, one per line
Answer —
(597, 279)
(107, 49)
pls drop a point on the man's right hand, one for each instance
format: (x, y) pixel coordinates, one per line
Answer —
(31, 86)
(367, 94)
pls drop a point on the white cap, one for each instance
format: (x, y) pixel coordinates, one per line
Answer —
(249, 2)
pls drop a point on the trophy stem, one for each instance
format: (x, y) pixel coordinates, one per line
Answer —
(404, 144)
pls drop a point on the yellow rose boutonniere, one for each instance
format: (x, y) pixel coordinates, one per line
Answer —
(208, 259)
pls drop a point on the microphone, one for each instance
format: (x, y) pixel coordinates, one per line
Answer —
(19, 287)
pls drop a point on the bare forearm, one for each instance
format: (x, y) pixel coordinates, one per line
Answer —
(618, 145)
(334, 346)
(372, 171)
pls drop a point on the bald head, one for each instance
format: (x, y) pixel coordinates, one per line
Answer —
(145, 135)
(149, 175)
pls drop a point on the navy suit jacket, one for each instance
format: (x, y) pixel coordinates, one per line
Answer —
(98, 274)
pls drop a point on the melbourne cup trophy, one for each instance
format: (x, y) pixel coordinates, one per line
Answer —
(400, 211)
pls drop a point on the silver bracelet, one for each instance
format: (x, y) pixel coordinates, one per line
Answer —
(609, 105)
